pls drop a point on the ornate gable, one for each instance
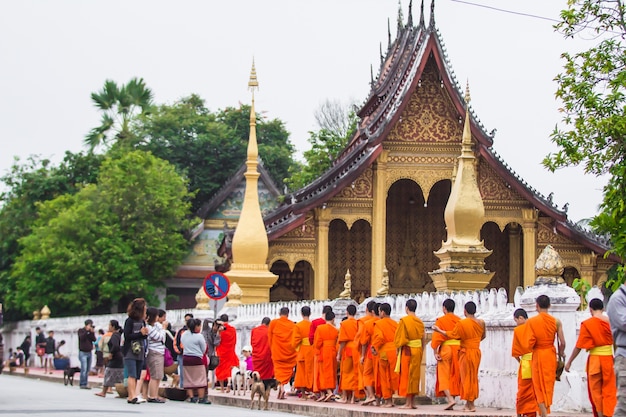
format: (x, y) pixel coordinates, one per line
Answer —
(492, 187)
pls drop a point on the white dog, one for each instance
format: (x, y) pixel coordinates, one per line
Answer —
(240, 378)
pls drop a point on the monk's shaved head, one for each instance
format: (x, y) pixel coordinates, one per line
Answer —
(543, 301)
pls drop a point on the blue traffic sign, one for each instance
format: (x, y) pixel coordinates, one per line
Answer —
(216, 285)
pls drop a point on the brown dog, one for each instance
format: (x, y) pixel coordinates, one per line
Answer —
(262, 387)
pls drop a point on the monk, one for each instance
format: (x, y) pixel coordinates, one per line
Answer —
(283, 354)
(595, 336)
(303, 380)
(410, 340)
(366, 366)
(540, 333)
(226, 352)
(348, 357)
(261, 353)
(525, 403)
(448, 381)
(383, 346)
(470, 331)
(314, 324)
(326, 343)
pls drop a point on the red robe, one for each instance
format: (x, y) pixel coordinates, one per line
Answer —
(448, 368)
(326, 343)
(261, 353)
(601, 382)
(283, 354)
(226, 352)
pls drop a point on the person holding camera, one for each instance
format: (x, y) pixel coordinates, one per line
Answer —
(86, 337)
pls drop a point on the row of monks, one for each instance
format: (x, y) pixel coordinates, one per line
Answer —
(374, 357)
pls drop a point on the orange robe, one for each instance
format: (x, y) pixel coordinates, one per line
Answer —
(314, 325)
(410, 330)
(357, 340)
(540, 333)
(226, 352)
(349, 365)
(382, 340)
(448, 368)
(601, 382)
(469, 332)
(261, 354)
(283, 354)
(326, 343)
(370, 362)
(525, 403)
(304, 361)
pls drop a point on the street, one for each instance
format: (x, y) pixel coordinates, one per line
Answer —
(24, 396)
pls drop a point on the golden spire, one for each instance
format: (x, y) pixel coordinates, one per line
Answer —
(253, 84)
(466, 142)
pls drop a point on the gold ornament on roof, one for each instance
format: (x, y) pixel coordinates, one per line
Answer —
(202, 300)
(235, 294)
(253, 84)
(45, 313)
(549, 267)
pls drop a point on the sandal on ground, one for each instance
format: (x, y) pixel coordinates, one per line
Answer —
(156, 400)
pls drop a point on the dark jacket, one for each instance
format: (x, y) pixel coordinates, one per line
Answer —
(85, 340)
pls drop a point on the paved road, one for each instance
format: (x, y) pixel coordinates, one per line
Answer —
(34, 398)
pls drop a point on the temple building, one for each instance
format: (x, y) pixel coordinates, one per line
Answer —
(391, 199)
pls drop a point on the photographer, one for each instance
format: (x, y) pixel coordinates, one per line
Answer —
(86, 337)
(211, 331)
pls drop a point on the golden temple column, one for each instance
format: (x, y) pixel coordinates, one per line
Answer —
(515, 262)
(379, 221)
(320, 286)
(529, 229)
(588, 267)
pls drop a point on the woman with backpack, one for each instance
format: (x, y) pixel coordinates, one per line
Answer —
(135, 334)
(114, 370)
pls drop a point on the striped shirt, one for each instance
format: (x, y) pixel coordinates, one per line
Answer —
(156, 337)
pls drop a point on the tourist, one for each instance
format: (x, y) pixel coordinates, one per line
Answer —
(384, 348)
(470, 331)
(303, 379)
(284, 355)
(194, 369)
(348, 357)
(446, 350)
(227, 354)
(156, 354)
(410, 338)
(595, 336)
(114, 369)
(135, 334)
(26, 349)
(246, 355)
(40, 343)
(525, 403)
(99, 354)
(616, 310)
(368, 362)
(48, 357)
(86, 337)
(178, 348)
(326, 345)
(541, 331)
(261, 353)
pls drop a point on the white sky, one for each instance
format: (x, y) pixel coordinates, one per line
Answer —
(55, 53)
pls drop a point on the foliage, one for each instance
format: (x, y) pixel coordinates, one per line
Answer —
(109, 241)
(120, 105)
(593, 91)
(28, 183)
(582, 287)
(325, 148)
(613, 279)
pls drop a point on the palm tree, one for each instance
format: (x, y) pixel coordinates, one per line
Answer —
(120, 105)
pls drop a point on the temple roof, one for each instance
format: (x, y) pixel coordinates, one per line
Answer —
(399, 75)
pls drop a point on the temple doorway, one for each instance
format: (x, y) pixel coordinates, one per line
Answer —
(292, 285)
(349, 249)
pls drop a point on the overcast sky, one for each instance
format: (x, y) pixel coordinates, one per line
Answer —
(55, 53)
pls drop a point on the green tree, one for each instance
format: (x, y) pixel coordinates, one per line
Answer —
(109, 241)
(326, 145)
(592, 88)
(120, 105)
(29, 183)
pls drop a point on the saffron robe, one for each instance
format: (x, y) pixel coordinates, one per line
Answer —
(326, 343)
(304, 360)
(382, 340)
(226, 352)
(349, 365)
(357, 340)
(283, 354)
(261, 353)
(469, 332)
(601, 382)
(410, 329)
(314, 325)
(370, 362)
(540, 333)
(448, 368)
(525, 402)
